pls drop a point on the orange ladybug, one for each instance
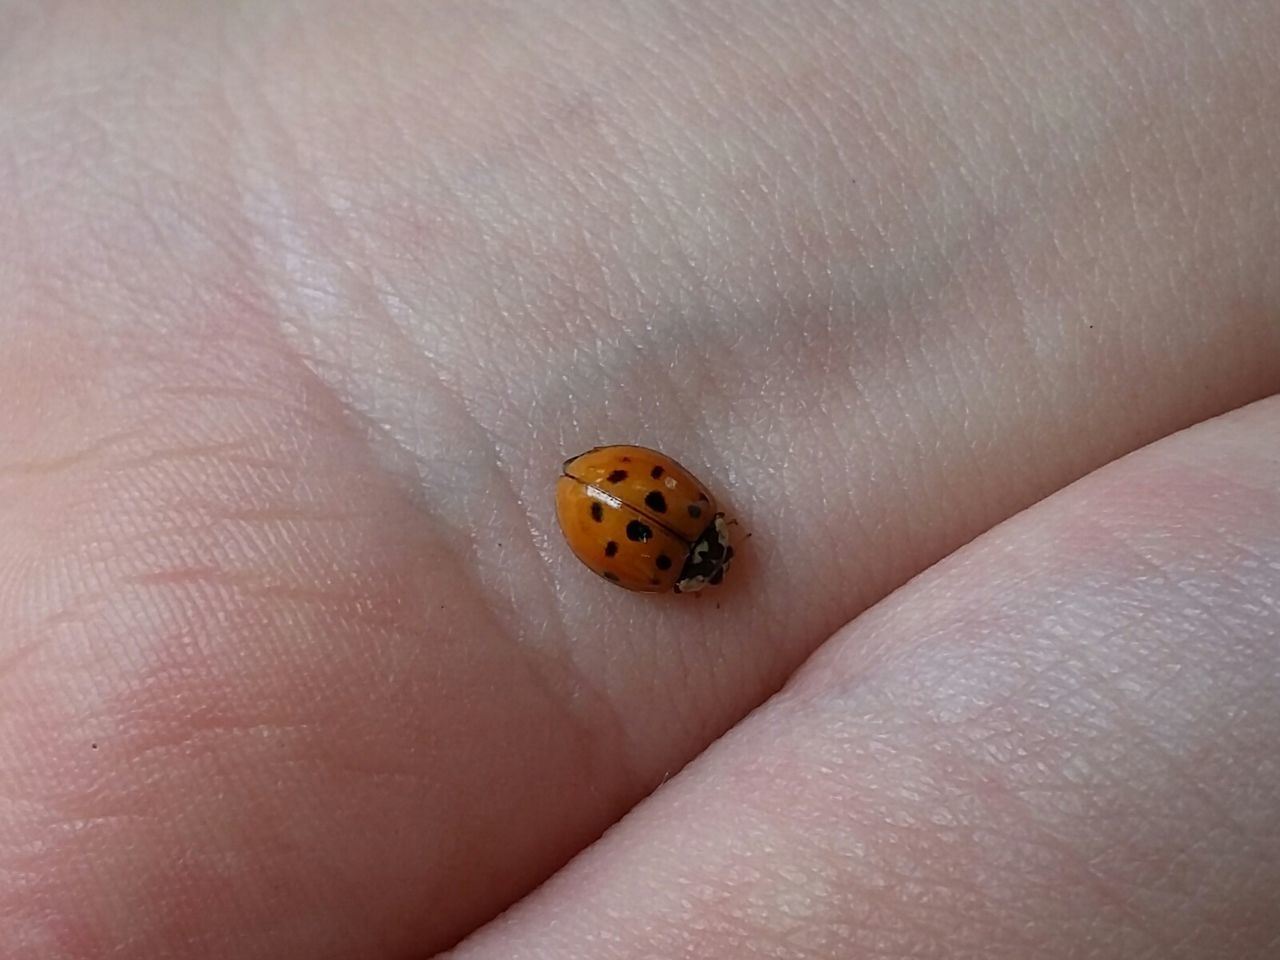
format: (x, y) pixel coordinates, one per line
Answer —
(642, 521)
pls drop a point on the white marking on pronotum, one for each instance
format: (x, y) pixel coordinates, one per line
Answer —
(702, 547)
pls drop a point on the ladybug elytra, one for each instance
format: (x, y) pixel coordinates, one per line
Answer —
(641, 520)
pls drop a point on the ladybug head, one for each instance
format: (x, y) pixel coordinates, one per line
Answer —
(708, 559)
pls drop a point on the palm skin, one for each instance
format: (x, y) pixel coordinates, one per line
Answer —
(303, 310)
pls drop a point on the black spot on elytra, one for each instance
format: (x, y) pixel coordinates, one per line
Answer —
(617, 476)
(610, 549)
(597, 512)
(655, 501)
(695, 511)
(639, 532)
(610, 576)
(656, 472)
(663, 562)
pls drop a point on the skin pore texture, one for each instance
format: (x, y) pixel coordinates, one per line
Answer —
(301, 308)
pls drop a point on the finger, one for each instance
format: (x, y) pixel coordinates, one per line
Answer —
(1058, 743)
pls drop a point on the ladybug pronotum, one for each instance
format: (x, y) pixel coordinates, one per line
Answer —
(640, 520)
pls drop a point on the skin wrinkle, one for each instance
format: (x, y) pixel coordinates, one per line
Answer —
(512, 626)
(593, 744)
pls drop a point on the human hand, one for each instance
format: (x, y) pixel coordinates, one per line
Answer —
(303, 308)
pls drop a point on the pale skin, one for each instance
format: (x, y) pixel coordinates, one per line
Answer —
(301, 308)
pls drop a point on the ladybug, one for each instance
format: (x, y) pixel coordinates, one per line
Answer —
(642, 521)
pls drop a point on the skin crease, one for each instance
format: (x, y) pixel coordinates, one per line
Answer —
(301, 310)
(1034, 749)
